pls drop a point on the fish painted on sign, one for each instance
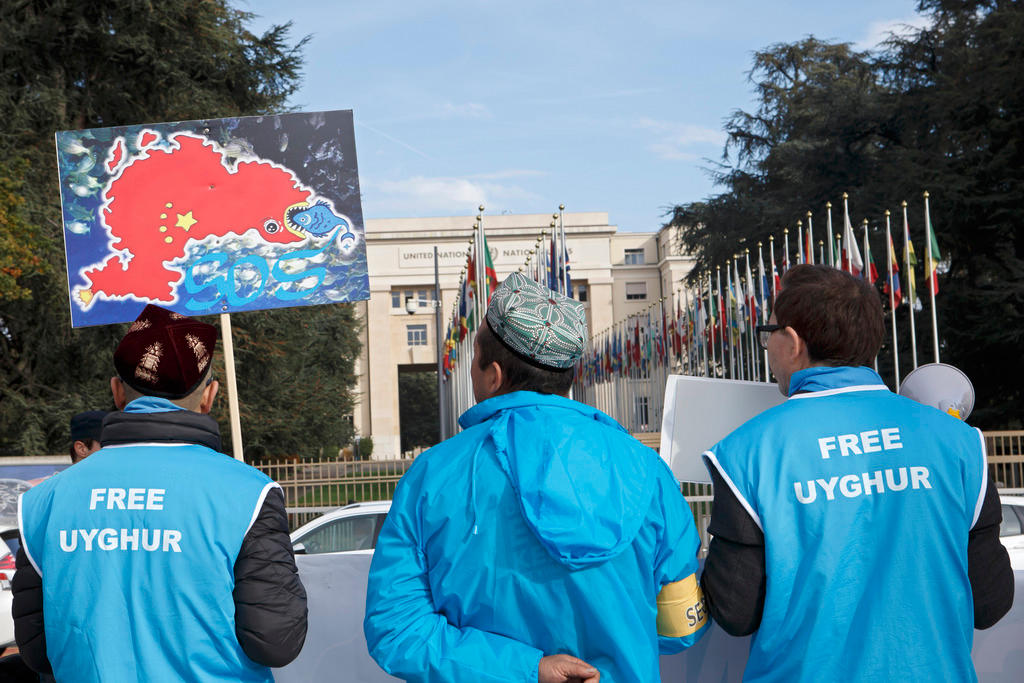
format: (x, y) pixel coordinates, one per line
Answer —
(183, 189)
(317, 220)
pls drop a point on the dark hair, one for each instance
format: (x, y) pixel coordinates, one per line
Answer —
(519, 373)
(838, 316)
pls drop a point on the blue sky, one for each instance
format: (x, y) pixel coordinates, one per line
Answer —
(602, 106)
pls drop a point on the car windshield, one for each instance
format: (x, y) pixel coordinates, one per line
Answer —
(343, 535)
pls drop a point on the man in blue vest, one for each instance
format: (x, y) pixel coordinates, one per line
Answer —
(158, 558)
(540, 534)
(855, 532)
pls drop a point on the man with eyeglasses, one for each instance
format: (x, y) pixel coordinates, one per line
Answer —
(855, 534)
(158, 557)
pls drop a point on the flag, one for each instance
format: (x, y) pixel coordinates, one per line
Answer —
(933, 246)
(466, 308)
(764, 283)
(894, 280)
(911, 258)
(752, 303)
(490, 276)
(852, 260)
(871, 271)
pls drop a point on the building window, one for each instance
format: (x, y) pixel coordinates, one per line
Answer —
(416, 335)
(635, 257)
(581, 293)
(636, 291)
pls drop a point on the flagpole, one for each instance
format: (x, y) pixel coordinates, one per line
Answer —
(563, 254)
(755, 371)
(892, 300)
(801, 257)
(847, 227)
(831, 254)
(764, 305)
(838, 249)
(711, 331)
(932, 272)
(771, 248)
(912, 299)
(785, 249)
(866, 270)
(810, 239)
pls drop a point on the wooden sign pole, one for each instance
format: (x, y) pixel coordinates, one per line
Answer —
(229, 370)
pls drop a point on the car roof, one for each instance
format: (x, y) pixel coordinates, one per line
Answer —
(353, 510)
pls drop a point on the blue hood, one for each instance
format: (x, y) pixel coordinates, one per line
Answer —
(584, 489)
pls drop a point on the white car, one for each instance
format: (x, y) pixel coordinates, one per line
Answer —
(353, 528)
(1011, 531)
(8, 550)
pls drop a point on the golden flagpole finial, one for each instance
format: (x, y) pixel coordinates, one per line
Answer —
(846, 196)
(865, 221)
(887, 212)
(926, 194)
(561, 207)
(758, 245)
(828, 205)
(799, 224)
(785, 231)
(480, 208)
(904, 203)
(809, 214)
(771, 238)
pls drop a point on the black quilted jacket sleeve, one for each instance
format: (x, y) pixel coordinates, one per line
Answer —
(27, 610)
(270, 601)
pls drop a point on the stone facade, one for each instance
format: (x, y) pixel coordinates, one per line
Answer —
(615, 273)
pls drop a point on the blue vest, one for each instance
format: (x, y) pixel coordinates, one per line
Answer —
(136, 546)
(866, 499)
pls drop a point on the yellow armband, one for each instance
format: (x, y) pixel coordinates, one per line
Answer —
(681, 608)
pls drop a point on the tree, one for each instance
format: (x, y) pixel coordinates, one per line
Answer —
(69, 65)
(940, 109)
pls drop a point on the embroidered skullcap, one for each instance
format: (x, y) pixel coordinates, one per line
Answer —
(164, 353)
(541, 325)
(88, 425)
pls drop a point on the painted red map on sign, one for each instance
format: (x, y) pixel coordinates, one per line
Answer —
(170, 194)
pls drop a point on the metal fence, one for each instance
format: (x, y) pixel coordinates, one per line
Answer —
(312, 488)
(1006, 460)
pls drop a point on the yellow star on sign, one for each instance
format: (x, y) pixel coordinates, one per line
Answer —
(185, 221)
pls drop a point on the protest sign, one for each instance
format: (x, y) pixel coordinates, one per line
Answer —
(212, 216)
(700, 412)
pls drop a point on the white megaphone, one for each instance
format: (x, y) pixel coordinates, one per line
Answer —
(941, 386)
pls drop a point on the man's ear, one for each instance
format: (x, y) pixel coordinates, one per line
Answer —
(81, 451)
(117, 389)
(795, 349)
(209, 393)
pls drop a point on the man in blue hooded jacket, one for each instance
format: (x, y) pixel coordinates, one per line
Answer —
(540, 534)
(854, 531)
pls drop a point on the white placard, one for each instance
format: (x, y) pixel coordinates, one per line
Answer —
(700, 412)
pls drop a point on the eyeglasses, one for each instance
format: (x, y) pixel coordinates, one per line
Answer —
(765, 331)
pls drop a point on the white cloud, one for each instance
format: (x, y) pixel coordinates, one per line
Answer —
(420, 195)
(469, 110)
(881, 30)
(676, 140)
